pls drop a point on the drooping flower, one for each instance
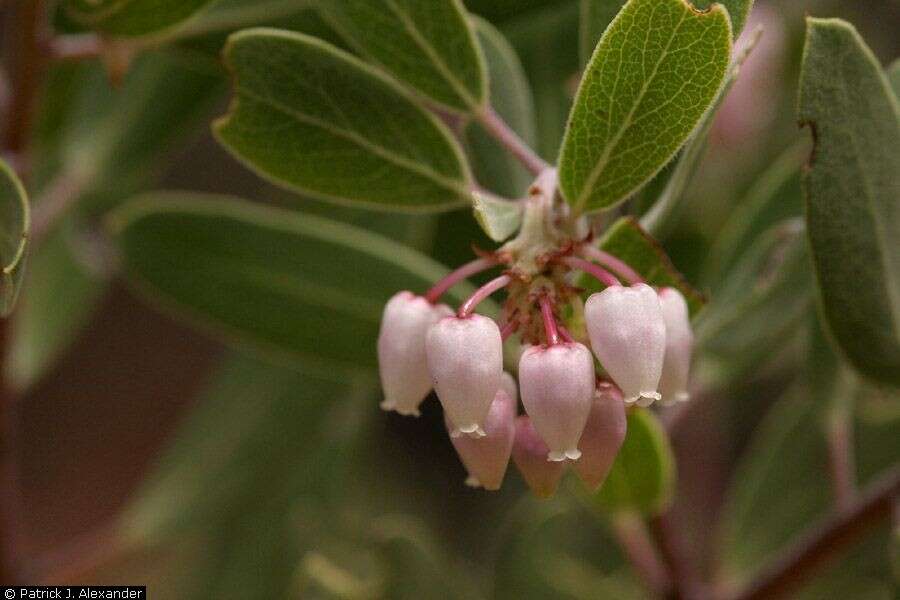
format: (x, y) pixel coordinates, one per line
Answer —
(603, 436)
(402, 361)
(628, 335)
(673, 384)
(557, 387)
(465, 358)
(486, 458)
(509, 385)
(530, 455)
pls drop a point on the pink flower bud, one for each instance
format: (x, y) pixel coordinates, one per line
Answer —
(557, 386)
(628, 335)
(508, 385)
(679, 345)
(402, 362)
(486, 458)
(530, 455)
(465, 357)
(603, 436)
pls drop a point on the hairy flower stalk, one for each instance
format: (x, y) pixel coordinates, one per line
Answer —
(641, 338)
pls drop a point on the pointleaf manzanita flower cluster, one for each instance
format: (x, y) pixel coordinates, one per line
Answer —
(574, 412)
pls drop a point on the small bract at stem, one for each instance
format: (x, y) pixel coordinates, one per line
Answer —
(549, 320)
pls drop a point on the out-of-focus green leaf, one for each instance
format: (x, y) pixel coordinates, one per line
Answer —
(58, 299)
(266, 278)
(626, 240)
(738, 10)
(852, 188)
(15, 217)
(596, 15)
(549, 53)
(765, 297)
(893, 74)
(655, 73)
(316, 120)
(642, 478)
(774, 197)
(780, 489)
(498, 218)
(511, 97)
(662, 218)
(429, 46)
(132, 17)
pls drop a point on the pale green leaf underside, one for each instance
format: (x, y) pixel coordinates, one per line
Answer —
(14, 224)
(738, 10)
(852, 190)
(132, 17)
(316, 120)
(511, 98)
(654, 74)
(429, 46)
(643, 476)
(499, 218)
(289, 284)
(661, 218)
(893, 74)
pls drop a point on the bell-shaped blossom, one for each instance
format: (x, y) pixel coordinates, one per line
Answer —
(557, 387)
(486, 458)
(603, 436)
(509, 385)
(628, 335)
(530, 455)
(465, 358)
(679, 346)
(402, 361)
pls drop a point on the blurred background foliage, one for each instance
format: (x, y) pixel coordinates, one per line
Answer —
(241, 476)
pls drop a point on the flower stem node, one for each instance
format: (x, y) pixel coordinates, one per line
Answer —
(603, 436)
(557, 387)
(465, 358)
(679, 346)
(401, 351)
(486, 458)
(628, 335)
(530, 455)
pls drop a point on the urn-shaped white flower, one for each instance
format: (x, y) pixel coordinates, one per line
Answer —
(530, 455)
(628, 335)
(603, 436)
(402, 361)
(465, 358)
(508, 384)
(679, 345)
(557, 387)
(486, 458)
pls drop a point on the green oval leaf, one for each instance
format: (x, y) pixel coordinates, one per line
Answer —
(852, 187)
(511, 98)
(15, 217)
(738, 10)
(294, 285)
(132, 17)
(316, 120)
(654, 74)
(429, 46)
(642, 478)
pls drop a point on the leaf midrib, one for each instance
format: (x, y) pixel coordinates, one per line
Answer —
(432, 54)
(588, 186)
(388, 155)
